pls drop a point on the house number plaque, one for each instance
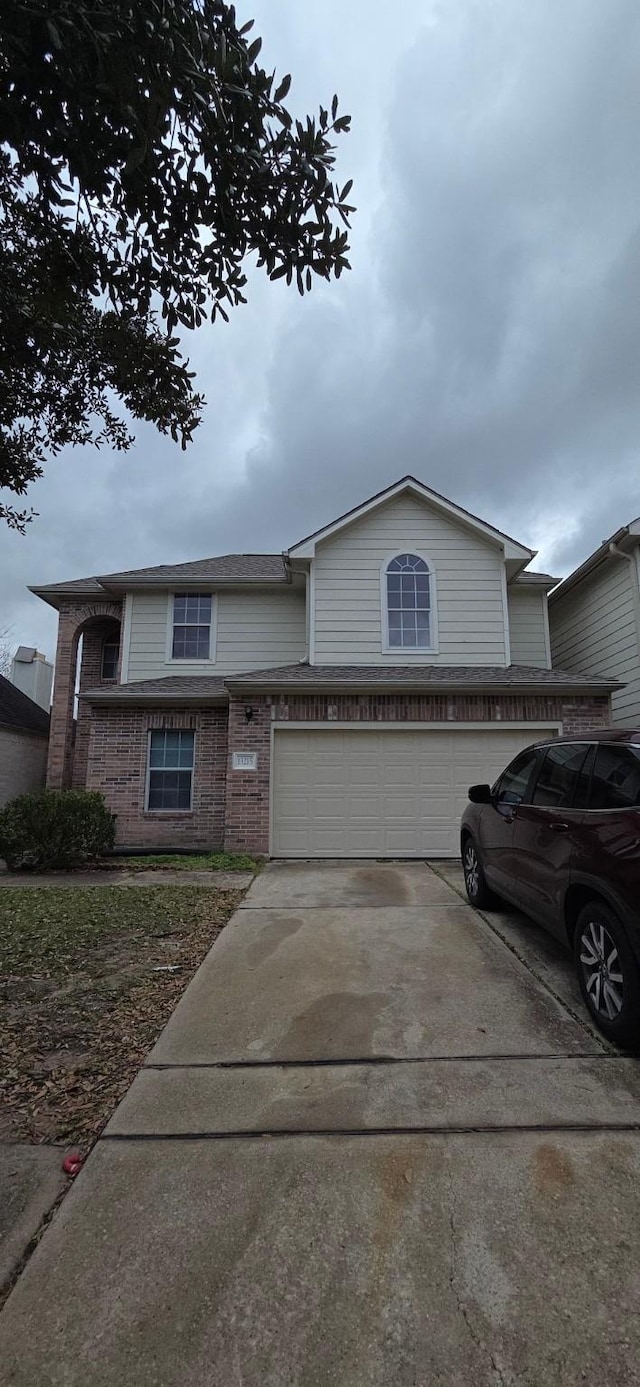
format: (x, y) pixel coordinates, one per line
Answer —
(245, 761)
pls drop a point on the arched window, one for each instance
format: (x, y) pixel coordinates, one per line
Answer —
(110, 652)
(409, 604)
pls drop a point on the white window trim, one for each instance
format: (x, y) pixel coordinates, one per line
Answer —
(126, 637)
(402, 652)
(147, 778)
(213, 634)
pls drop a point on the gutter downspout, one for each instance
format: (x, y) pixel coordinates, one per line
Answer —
(631, 559)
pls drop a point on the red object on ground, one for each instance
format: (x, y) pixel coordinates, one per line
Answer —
(72, 1162)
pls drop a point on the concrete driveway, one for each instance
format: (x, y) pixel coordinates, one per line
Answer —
(374, 1147)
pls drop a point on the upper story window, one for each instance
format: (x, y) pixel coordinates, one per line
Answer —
(110, 653)
(191, 626)
(408, 597)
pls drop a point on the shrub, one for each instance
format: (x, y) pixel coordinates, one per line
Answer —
(55, 828)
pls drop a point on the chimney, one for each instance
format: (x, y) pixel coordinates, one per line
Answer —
(33, 674)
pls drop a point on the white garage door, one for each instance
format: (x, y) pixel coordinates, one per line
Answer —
(381, 793)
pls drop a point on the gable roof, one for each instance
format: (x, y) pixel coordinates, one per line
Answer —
(275, 568)
(305, 548)
(19, 712)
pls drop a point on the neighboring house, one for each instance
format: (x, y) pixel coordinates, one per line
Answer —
(336, 700)
(24, 733)
(595, 620)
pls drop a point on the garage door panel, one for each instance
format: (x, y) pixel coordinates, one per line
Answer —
(382, 792)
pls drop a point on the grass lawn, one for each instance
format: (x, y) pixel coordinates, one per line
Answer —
(200, 862)
(81, 1004)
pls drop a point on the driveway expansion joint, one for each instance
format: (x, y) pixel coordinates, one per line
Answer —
(379, 1060)
(435, 1129)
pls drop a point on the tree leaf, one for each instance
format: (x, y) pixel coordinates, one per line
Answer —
(283, 89)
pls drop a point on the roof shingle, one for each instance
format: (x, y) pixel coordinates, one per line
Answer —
(426, 676)
(196, 688)
(189, 687)
(269, 567)
(19, 712)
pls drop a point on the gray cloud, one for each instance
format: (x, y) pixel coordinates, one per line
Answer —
(488, 338)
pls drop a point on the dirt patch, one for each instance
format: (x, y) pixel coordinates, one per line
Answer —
(381, 886)
(279, 928)
(338, 1025)
(553, 1170)
(88, 978)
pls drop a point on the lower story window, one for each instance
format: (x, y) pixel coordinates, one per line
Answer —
(170, 781)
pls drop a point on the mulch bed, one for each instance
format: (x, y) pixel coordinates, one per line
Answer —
(80, 1003)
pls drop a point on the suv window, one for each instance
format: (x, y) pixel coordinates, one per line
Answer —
(512, 785)
(615, 783)
(558, 775)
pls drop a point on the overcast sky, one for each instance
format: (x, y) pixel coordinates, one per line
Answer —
(487, 339)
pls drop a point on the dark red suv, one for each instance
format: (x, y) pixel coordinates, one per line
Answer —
(559, 836)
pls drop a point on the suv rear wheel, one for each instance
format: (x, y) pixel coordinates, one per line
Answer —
(608, 974)
(474, 878)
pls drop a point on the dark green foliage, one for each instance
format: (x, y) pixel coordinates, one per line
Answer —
(147, 154)
(55, 829)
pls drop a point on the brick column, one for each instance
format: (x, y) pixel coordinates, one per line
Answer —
(247, 807)
(74, 617)
(93, 638)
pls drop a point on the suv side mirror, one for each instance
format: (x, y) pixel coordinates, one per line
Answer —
(480, 794)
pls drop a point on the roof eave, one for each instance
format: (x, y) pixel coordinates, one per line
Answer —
(175, 700)
(53, 599)
(627, 534)
(169, 583)
(535, 580)
(595, 687)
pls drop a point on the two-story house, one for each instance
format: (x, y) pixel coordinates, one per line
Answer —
(595, 620)
(335, 700)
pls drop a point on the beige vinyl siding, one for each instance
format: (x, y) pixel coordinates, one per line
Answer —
(23, 763)
(348, 608)
(594, 631)
(255, 630)
(527, 626)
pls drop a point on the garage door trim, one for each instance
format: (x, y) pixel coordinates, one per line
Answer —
(552, 726)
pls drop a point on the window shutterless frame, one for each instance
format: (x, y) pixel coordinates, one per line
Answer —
(408, 602)
(109, 659)
(191, 628)
(171, 756)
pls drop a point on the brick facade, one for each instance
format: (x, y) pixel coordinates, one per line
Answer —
(247, 792)
(247, 814)
(117, 767)
(76, 619)
(231, 807)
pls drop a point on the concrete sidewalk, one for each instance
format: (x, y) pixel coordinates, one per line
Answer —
(370, 1148)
